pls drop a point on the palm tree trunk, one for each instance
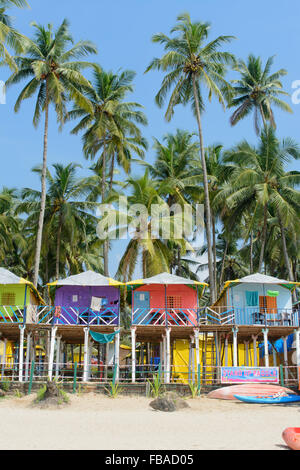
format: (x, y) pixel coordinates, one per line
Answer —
(213, 222)
(58, 240)
(285, 252)
(112, 167)
(43, 194)
(251, 252)
(223, 265)
(105, 243)
(262, 115)
(206, 196)
(263, 240)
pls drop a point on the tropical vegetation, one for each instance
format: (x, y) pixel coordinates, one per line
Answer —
(249, 190)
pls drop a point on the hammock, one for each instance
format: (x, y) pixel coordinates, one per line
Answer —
(103, 339)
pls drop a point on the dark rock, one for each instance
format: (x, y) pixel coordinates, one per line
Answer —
(169, 402)
(2, 393)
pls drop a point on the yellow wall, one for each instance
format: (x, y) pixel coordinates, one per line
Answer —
(181, 357)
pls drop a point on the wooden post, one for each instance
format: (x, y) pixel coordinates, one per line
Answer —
(75, 377)
(168, 344)
(281, 375)
(51, 355)
(254, 338)
(133, 354)
(247, 352)
(165, 358)
(85, 355)
(28, 351)
(235, 346)
(193, 359)
(106, 361)
(199, 379)
(57, 363)
(285, 358)
(274, 357)
(190, 361)
(266, 346)
(297, 341)
(31, 376)
(4, 359)
(196, 334)
(117, 356)
(226, 350)
(21, 352)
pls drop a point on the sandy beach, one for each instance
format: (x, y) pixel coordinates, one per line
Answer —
(93, 421)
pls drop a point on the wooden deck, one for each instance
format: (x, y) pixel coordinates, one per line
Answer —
(74, 334)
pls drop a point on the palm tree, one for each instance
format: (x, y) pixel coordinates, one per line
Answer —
(257, 91)
(57, 78)
(192, 63)
(259, 180)
(111, 127)
(174, 167)
(66, 208)
(9, 36)
(149, 236)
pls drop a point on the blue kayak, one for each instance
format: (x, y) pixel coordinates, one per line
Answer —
(271, 400)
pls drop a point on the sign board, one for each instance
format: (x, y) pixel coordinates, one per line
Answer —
(242, 375)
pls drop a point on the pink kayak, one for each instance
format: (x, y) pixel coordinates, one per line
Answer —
(250, 390)
(291, 437)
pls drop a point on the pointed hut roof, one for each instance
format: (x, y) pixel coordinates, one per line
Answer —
(9, 278)
(258, 278)
(87, 278)
(167, 279)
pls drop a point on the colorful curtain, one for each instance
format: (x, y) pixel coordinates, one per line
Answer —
(251, 298)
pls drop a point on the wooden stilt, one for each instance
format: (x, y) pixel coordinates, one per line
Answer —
(266, 346)
(235, 346)
(254, 338)
(133, 354)
(168, 347)
(21, 352)
(52, 348)
(28, 352)
(117, 356)
(85, 355)
(4, 359)
(57, 359)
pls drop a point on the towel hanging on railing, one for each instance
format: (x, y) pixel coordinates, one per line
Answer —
(102, 338)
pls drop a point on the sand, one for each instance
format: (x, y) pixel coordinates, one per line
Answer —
(93, 421)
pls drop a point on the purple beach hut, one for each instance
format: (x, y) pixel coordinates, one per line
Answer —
(86, 299)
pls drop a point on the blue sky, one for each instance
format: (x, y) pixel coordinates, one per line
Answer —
(122, 31)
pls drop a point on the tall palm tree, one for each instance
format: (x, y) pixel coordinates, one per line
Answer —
(192, 63)
(111, 127)
(257, 91)
(66, 207)
(9, 36)
(57, 78)
(259, 179)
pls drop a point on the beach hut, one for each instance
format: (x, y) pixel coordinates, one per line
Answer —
(91, 301)
(86, 299)
(166, 299)
(160, 304)
(18, 299)
(257, 300)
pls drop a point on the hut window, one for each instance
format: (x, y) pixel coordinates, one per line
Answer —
(174, 301)
(8, 298)
(252, 298)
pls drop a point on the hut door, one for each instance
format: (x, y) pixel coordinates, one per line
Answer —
(268, 304)
(141, 299)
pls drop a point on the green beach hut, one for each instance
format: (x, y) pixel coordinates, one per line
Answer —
(18, 299)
